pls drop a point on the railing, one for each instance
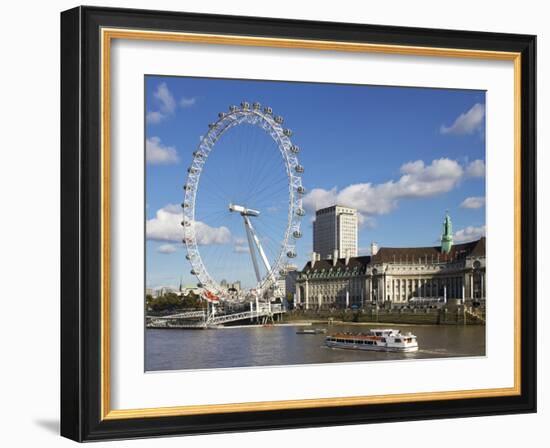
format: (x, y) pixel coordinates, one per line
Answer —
(187, 315)
(212, 320)
(224, 318)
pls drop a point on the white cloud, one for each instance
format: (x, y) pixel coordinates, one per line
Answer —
(188, 102)
(319, 198)
(166, 226)
(240, 245)
(241, 249)
(469, 233)
(467, 122)
(165, 102)
(476, 168)
(167, 249)
(367, 221)
(207, 235)
(417, 181)
(154, 117)
(473, 202)
(158, 154)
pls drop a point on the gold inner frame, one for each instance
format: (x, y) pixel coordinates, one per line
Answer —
(107, 35)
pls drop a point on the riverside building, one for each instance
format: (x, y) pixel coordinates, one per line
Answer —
(335, 232)
(397, 276)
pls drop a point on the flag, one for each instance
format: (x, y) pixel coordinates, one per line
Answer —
(211, 297)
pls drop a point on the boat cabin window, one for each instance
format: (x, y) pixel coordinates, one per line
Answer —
(397, 340)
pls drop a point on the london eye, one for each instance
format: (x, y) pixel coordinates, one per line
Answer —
(242, 205)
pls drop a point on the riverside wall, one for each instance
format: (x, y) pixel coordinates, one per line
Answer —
(429, 316)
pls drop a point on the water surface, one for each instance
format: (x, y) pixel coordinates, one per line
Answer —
(175, 349)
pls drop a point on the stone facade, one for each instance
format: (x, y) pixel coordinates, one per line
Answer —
(394, 276)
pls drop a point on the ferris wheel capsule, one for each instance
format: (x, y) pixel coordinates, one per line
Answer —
(233, 108)
(245, 105)
(188, 257)
(193, 272)
(191, 170)
(279, 119)
(299, 168)
(300, 189)
(300, 212)
(291, 254)
(287, 132)
(295, 149)
(256, 106)
(221, 114)
(197, 154)
(268, 110)
(297, 234)
(187, 187)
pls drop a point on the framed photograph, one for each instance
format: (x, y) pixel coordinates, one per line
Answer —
(273, 223)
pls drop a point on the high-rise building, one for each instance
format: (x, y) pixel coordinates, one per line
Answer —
(335, 232)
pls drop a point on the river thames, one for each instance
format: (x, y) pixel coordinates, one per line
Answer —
(179, 349)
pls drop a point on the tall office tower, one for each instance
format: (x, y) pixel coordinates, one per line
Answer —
(335, 232)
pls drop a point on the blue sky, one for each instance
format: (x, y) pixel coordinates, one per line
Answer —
(401, 156)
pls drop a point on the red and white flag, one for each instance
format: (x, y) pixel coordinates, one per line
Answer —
(211, 297)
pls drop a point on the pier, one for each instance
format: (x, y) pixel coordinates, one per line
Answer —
(262, 314)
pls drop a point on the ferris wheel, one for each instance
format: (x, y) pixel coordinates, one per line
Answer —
(245, 217)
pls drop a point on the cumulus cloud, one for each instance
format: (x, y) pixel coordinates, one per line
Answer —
(476, 168)
(207, 235)
(473, 202)
(319, 198)
(158, 154)
(467, 122)
(165, 102)
(166, 226)
(167, 249)
(469, 233)
(417, 180)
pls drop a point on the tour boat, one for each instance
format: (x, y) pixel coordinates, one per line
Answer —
(382, 340)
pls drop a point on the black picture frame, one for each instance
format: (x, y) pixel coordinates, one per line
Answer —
(81, 380)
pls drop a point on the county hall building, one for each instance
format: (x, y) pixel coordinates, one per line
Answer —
(393, 276)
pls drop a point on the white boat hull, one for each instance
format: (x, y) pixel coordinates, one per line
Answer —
(373, 348)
